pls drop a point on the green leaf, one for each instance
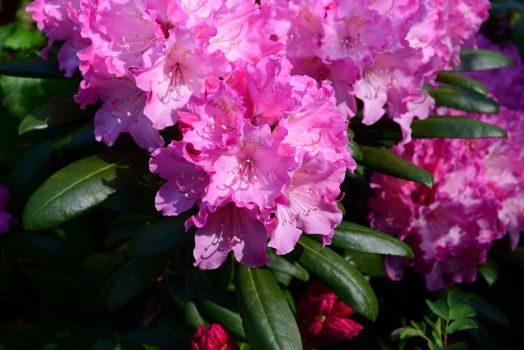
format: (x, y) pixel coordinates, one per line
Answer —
(82, 185)
(129, 280)
(464, 100)
(461, 325)
(16, 36)
(226, 317)
(458, 346)
(281, 264)
(192, 315)
(59, 110)
(461, 311)
(390, 164)
(339, 275)
(364, 239)
(487, 310)
(266, 316)
(158, 238)
(282, 278)
(31, 67)
(473, 60)
(439, 307)
(489, 272)
(454, 127)
(437, 336)
(369, 264)
(517, 33)
(456, 297)
(356, 153)
(462, 82)
(409, 332)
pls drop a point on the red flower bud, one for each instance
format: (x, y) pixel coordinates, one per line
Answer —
(213, 338)
(322, 316)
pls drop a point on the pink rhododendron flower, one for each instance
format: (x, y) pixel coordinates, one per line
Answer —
(58, 19)
(381, 52)
(477, 197)
(214, 337)
(5, 218)
(322, 317)
(185, 181)
(229, 228)
(257, 166)
(122, 111)
(123, 34)
(259, 96)
(178, 74)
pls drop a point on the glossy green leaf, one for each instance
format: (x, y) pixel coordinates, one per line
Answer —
(283, 278)
(473, 60)
(517, 33)
(82, 185)
(15, 36)
(59, 110)
(192, 315)
(356, 153)
(158, 238)
(458, 346)
(369, 264)
(390, 164)
(454, 127)
(461, 325)
(364, 239)
(409, 332)
(464, 100)
(266, 316)
(129, 280)
(487, 310)
(489, 272)
(340, 276)
(456, 297)
(462, 82)
(31, 67)
(436, 332)
(226, 317)
(291, 268)
(461, 311)
(439, 307)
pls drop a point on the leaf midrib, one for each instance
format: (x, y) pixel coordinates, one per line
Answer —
(261, 305)
(324, 259)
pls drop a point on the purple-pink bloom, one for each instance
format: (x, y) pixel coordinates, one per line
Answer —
(265, 166)
(229, 228)
(477, 198)
(5, 218)
(178, 74)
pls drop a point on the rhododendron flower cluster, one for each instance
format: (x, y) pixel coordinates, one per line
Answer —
(477, 196)
(144, 59)
(257, 164)
(323, 317)
(381, 52)
(5, 218)
(259, 96)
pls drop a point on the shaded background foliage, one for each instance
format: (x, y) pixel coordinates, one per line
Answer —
(120, 276)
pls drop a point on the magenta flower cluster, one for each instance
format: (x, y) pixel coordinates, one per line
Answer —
(261, 93)
(477, 198)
